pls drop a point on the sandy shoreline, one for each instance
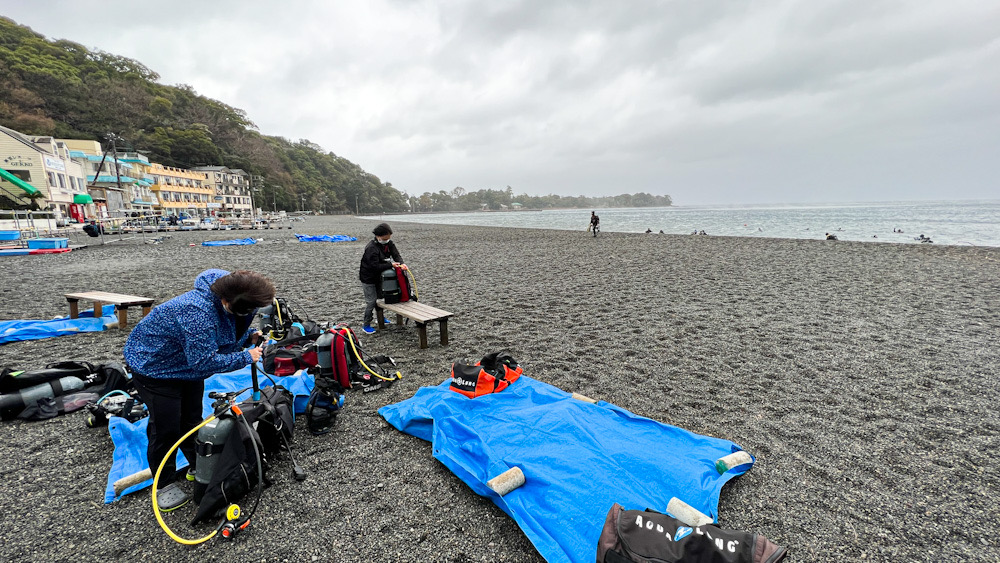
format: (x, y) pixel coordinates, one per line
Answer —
(861, 376)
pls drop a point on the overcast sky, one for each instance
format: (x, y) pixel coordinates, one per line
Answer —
(708, 101)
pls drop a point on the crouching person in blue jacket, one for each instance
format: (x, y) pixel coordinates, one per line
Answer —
(181, 343)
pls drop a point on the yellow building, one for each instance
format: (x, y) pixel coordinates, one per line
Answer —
(181, 191)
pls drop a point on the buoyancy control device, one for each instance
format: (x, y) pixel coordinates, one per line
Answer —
(288, 356)
(395, 286)
(16, 380)
(341, 366)
(340, 358)
(43, 393)
(227, 448)
(278, 321)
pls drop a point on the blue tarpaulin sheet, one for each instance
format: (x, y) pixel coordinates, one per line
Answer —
(234, 242)
(13, 331)
(130, 438)
(578, 458)
(325, 238)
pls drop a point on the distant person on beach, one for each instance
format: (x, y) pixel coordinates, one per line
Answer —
(181, 343)
(831, 237)
(595, 223)
(648, 230)
(380, 255)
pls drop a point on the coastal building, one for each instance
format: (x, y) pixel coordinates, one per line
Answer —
(39, 172)
(232, 190)
(108, 181)
(178, 191)
(140, 194)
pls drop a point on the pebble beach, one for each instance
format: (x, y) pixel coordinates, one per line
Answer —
(863, 377)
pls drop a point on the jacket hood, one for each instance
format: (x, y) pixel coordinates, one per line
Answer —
(204, 281)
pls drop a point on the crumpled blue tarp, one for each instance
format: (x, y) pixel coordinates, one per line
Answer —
(14, 331)
(578, 458)
(325, 238)
(234, 242)
(130, 438)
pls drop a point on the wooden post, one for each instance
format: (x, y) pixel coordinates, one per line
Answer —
(422, 331)
(74, 308)
(146, 308)
(98, 309)
(444, 332)
(122, 316)
(379, 319)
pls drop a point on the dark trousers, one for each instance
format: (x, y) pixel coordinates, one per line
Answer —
(174, 409)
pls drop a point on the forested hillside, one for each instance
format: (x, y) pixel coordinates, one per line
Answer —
(63, 89)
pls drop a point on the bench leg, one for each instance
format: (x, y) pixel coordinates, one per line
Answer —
(98, 309)
(122, 317)
(74, 308)
(379, 318)
(145, 310)
(444, 332)
(422, 331)
(399, 319)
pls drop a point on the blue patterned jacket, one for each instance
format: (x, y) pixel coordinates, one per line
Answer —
(189, 337)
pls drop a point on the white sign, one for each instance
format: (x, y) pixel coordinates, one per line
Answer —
(214, 205)
(55, 164)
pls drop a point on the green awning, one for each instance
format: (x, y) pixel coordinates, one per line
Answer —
(28, 188)
(82, 198)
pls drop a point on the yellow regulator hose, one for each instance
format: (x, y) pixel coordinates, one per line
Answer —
(350, 339)
(156, 479)
(413, 279)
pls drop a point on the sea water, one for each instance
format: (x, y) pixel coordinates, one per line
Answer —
(968, 222)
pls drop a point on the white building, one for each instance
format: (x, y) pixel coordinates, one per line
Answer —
(232, 190)
(45, 164)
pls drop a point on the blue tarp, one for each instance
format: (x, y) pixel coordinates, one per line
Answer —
(130, 438)
(235, 242)
(325, 238)
(578, 458)
(13, 331)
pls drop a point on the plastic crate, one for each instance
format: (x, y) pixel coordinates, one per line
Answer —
(10, 235)
(48, 243)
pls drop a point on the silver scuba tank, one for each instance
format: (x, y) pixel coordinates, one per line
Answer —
(390, 286)
(324, 354)
(12, 404)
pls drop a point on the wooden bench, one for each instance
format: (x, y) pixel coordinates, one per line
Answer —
(419, 313)
(121, 303)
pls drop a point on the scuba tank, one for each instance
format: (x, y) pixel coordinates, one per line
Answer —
(13, 403)
(390, 286)
(327, 396)
(324, 355)
(209, 442)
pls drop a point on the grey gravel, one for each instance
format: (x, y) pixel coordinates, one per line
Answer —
(862, 376)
